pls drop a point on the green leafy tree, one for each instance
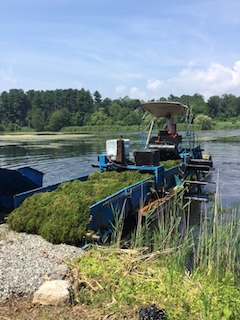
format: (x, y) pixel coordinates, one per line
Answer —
(59, 119)
(185, 99)
(4, 102)
(213, 106)
(97, 99)
(237, 106)
(38, 109)
(227, 106)
(84, 105)
(17, 108)
(133, 118)
(196, 102)
(37, 119)
(118, 113)
(99, 118)
(173, 98)
(106, 103)
(204, 122)
(46, 102)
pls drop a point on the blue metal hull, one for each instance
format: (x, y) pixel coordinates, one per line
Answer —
(16, 181)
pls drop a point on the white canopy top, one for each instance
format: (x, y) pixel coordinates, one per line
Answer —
(161, 108)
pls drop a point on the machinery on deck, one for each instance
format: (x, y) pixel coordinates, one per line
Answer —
(168, 145)
(194, 164)
(188, 174)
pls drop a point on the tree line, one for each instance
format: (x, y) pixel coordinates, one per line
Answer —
(53, 110)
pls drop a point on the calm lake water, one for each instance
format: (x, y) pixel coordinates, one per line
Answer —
(65, 157)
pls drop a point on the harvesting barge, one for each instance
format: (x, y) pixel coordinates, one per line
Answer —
(192, 165)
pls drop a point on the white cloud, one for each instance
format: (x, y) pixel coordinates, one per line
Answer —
(154, 84)
(7, 78)
(216, 79)
(236, 72)
(135, 93)
(120, 89)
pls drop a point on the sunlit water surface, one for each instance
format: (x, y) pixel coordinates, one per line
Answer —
(66, 158)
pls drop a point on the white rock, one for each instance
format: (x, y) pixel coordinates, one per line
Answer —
(55, 292)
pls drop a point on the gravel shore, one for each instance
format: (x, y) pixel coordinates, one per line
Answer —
(25, 260)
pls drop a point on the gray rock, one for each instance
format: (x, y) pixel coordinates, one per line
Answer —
(55, 292)
(58, 272)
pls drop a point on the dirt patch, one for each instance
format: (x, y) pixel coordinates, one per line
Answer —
(22, 308)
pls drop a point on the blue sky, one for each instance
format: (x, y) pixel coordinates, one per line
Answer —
(137, 48)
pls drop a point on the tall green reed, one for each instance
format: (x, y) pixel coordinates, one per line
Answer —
(211, 246)
(218, 240)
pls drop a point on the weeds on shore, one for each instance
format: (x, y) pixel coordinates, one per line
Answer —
(153, 267)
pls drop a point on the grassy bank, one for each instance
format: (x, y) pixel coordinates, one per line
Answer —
(191, 273)
(217, 125)
(187, 276)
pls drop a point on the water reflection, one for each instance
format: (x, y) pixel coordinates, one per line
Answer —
(63, 159)
(227, 170)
